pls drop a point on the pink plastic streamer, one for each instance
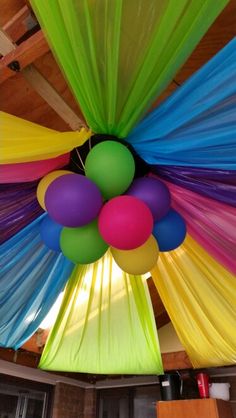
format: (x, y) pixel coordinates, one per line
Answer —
(211, 223)
(25, 172)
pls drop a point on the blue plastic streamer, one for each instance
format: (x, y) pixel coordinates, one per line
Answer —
(195, 126)
(31, 279)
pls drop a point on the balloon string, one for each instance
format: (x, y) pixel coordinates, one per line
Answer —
(80, 159)
(77, 165)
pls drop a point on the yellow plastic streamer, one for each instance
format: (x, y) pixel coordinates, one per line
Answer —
(105, 325)
(200, 298)
(23, 141)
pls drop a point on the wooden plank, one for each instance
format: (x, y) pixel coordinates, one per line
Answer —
(49, 94)
(194, 408)
(28, 359)
(6, 45)
(35, 79)
(8, 9)
(20, 23)
(27, 52)
(174, 361)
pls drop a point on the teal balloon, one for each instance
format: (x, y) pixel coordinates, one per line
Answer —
(83, 245)
(111, 166)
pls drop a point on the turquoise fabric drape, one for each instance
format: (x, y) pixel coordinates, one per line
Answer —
(195, 126)
(31, 278)
(118, 55)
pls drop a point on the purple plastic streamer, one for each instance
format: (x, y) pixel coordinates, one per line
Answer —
(212, 224)
(18, 207)
(216, 184)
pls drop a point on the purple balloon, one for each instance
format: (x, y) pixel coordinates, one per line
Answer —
(73, 200)
(154, 193)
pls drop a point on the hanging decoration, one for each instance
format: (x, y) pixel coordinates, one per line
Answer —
(27, 172)
(212, 224)
(105, 323)
(18, 207)
(215, 184)
(117, 56)
(31, 279)
(25, 141)
(199, 296)
(195, 126)
(87, 214)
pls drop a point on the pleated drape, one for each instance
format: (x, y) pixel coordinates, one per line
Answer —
(105, 325)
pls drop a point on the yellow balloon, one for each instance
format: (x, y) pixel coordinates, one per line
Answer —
(45, 182)
(140, 260)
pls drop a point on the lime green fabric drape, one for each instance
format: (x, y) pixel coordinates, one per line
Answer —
(118, 55)
(199, 296)
(105, 324)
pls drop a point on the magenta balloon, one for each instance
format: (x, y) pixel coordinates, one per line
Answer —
(73, 200)
(154, 193)
(125, 222)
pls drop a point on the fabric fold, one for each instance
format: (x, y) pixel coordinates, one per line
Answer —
(24, 141)
(27, 172)
(118, 56)
(18, 207)
(195, 126)
(31, 278)
(212, 224)
(199, 296)
(216, 184)
(105, 325)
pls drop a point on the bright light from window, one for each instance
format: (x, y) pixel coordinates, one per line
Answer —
(49, 320)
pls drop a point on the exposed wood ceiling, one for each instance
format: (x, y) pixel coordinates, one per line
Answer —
(20, 99)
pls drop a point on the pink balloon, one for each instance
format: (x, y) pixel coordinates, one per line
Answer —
(125, 222)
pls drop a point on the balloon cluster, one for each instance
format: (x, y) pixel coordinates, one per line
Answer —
(106, 207)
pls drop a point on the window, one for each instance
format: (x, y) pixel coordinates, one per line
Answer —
(24, 399)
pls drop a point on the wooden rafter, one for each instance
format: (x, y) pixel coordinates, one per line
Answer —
(20, 23)
(25, 54)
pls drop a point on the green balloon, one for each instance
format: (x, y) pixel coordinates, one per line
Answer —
(83, 245)
(110, 165)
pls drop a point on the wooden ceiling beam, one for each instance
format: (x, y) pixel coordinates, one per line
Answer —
(24, 54)
(20, 23)
(171, 361)
(9, 51)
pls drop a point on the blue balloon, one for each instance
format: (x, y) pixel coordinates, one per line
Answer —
(50, 233)
(170, 231)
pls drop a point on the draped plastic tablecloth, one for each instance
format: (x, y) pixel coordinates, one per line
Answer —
(212, 224)
(18, 207)
(105, 324)
(216, 184)
(119, 55)
(199, 296)
(24, 172)
(31, 278)
(24, 141)
(195, 126)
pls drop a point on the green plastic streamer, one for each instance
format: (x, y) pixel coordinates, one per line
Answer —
(118, 55)
(105, 324)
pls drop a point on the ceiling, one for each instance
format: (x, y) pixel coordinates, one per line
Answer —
(19, 98)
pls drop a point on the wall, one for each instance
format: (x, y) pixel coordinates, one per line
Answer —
(73, 402)
(169, 341)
